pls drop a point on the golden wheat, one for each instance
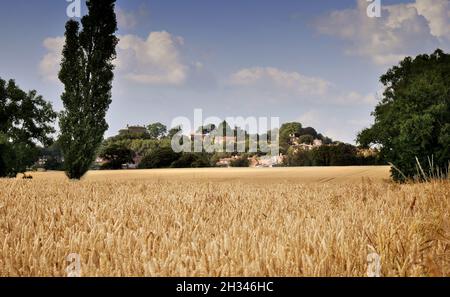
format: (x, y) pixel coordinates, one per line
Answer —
(236, 222)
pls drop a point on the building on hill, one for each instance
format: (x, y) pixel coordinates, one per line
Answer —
(269, 161)
(304, 146)
(366, 153)
(226, 162)
(214, 138)
(133, 130)
(317, 142)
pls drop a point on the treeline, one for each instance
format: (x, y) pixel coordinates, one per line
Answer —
(340, 154)
(152, 149)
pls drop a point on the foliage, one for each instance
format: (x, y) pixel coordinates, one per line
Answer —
(286, 130)
(309, 131)
(25, 120)
(330, 155)
(192, 160)
(157, 130)
(53, 157)
(306, 139)
(160, 157)
(335, 155)
(116, 155)
(87, 75)
(299, 158)
(240, 162)
(172, 132)
(413, 119)
(215, 158)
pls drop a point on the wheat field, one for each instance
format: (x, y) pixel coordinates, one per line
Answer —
(225, 222)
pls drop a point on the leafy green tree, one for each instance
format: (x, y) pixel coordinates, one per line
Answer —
(286, 130)
(157, 130)
(25, 120)
(309, 131)
(307, 139)
(161, 157)
(340, 154)
(299, 158)
(53, 157)
(116, 155)
(87, 75)
(192, 160)
(142, 146)
(413, 118)
(325, 140)
(172, 132)
(343, 154)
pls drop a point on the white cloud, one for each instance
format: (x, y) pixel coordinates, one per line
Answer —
(130, 19)
(403, 29)
(437, 12)
(310, 118)
(155, 60)
(49, 65)
(282, 84)
(354, 98)
(126, 19)
(288, 81)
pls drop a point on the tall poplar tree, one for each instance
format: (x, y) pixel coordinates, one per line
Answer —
(87, 75)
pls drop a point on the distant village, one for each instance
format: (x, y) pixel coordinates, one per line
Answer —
(296, 144)
(140, 147)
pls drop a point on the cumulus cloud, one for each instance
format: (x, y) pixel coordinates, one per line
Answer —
(129, 19)
(49, 65)
(155, 60)
(403, 29)
(310, 118)
(355, 98)
(126, 19)
(437, 12)
(289, 81)
(283, 84)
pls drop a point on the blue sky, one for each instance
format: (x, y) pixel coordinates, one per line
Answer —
(317, 62)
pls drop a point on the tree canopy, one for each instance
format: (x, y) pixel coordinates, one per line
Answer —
(116, 155)
(157, 130)
(25, 120)
(413, 118)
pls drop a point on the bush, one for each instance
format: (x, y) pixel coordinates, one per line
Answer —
(335, 155)
(192, 160)
(53, 163)
(299, 158)
(240, 162)
(161, 157)
(116, 155)
(307, 139)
